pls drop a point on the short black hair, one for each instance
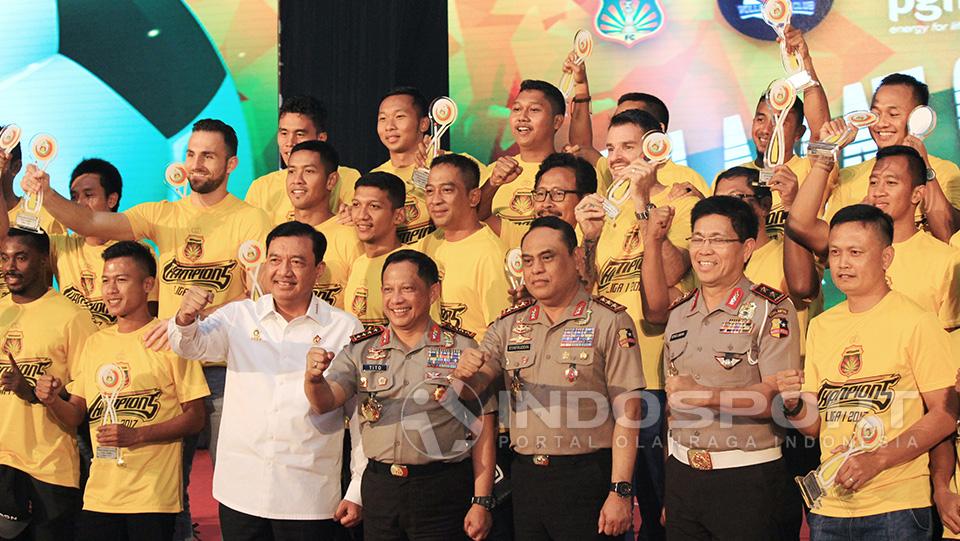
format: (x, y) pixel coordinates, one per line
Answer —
(300, 229)
(221, 127)
(419, 100)
(795, 109)
(110, 179)
(469, 170)
(328, 155)
(921, 92)
(753, 180)
(653, 105)
(558, 105)
(741, 216)
(16, 154)
(388, 182)
(426, 267)
(869, 216)
(916, 167)
(552, 222)
(639, 118)
(307, 106)
(140, 254)
(585, 173)
(38, 241)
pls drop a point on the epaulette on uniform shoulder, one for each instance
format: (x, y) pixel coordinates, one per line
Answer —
(458, 330)
(609, 303)
(771, 294)
(680, 300)
(369, 333)
(522, 305)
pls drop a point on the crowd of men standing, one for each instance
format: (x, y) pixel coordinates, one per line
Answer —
(384, 366)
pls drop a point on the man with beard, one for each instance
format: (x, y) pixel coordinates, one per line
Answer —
(561, 182)
(42, 332)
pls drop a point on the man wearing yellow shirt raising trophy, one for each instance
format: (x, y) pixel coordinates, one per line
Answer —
(141, 404)
(42, 334)
(376, 211)
(469, 255)
(535, 117)
(878, 390)
(311, 175)
(926, 270)
(302, 118)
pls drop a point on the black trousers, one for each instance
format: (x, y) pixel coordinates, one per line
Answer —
(237, 526)
(96, 526)
(561, 501)
(748, 503)
(428, 507)
(54, 512)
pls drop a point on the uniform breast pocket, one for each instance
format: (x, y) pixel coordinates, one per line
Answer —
(736, 360)
(576, 363)
(381, 383)
(518, 360)
(675, 348)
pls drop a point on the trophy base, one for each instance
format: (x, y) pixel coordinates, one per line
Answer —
(766, 175)
(420, 176)
(802, 81)
(28, 222)
(108, 453)
(823, 150)
(611, 210)
(810, 489)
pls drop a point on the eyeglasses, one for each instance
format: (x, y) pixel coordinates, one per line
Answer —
(742, 196)
(710, 241)
(556, 195)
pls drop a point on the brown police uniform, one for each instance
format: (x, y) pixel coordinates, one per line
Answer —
(725, 475)
(414, 430)
(561, 378)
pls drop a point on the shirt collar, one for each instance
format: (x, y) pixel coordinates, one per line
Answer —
(318, 310)
(575, 310)
(434, 335)
(735, 298)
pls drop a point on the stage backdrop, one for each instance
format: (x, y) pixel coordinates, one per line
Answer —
(708, 60)
(124, 81)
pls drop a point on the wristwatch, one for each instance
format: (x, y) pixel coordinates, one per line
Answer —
(487, 502)
(931, 174)
(622, 489)
(793, 412)
(645, 213)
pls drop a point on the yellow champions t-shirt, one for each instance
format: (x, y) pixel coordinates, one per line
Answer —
(472, 274)
(269, 193)
(78, 267)
(855, 180)
(927, 271)
(45, 337)
(875, 363)
(619, 256)
(343, 247)
(198, 246)
(156, 384)
(670, 173)
(514, 201)
(362, 296)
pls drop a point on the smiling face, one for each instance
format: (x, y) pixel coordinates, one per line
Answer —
(549, 269)
(23, 266)
(374, 218)
(398, 125)
(720, 260)
(858, 258)
(891, 189)
(406, 296)
(558, 178)
(532, 121)
(291, 269)
(624, 145)
(125, 286)
(763, 124)
(207, 162)
(893, 103)
(308, 182)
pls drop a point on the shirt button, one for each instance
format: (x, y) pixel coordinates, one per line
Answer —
(548, 355)
(696, 432)
(696, 377)
(699, 348)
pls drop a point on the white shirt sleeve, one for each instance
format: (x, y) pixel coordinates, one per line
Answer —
(358, 460)
(205, 340)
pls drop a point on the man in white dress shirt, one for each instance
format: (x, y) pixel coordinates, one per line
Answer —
(278, 464)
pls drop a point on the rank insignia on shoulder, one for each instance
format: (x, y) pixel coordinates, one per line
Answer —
(458, 330)
(771, 294)
(369, 333)
(522, 305)
(609, 303)
(682, 299)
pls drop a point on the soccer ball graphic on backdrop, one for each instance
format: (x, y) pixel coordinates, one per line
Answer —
(119, 80)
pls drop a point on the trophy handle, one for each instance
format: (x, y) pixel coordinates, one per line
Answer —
(34, 207)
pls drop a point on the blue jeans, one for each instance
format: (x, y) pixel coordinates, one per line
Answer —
(648, 473)
(906, 525)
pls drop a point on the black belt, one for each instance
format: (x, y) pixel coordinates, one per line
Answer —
(412, 470)
(563, 460)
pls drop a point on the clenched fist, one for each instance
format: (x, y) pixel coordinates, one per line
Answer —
(471, 361)
(505, 171)
(318, 359)
(194, 301)
(789, 383)
(48, 388)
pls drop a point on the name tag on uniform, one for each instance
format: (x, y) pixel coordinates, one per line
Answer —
(677, 335)
(374, 367)
(577, 337)
(443, 358)
(737, 325)
(518, 347)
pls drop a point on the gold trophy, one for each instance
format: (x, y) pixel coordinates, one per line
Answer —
(582, 47)
(781, 95)
(110, 379)
(831, 146)
(867, 436)
(657, 148)
(178, 179)
(777, 14)
(921, 122)
(44, 148)
(443, 113)
(251, 255)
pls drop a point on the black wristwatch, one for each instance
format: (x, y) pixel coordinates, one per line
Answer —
(793, 412)
(487, 502)
(622, 489)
